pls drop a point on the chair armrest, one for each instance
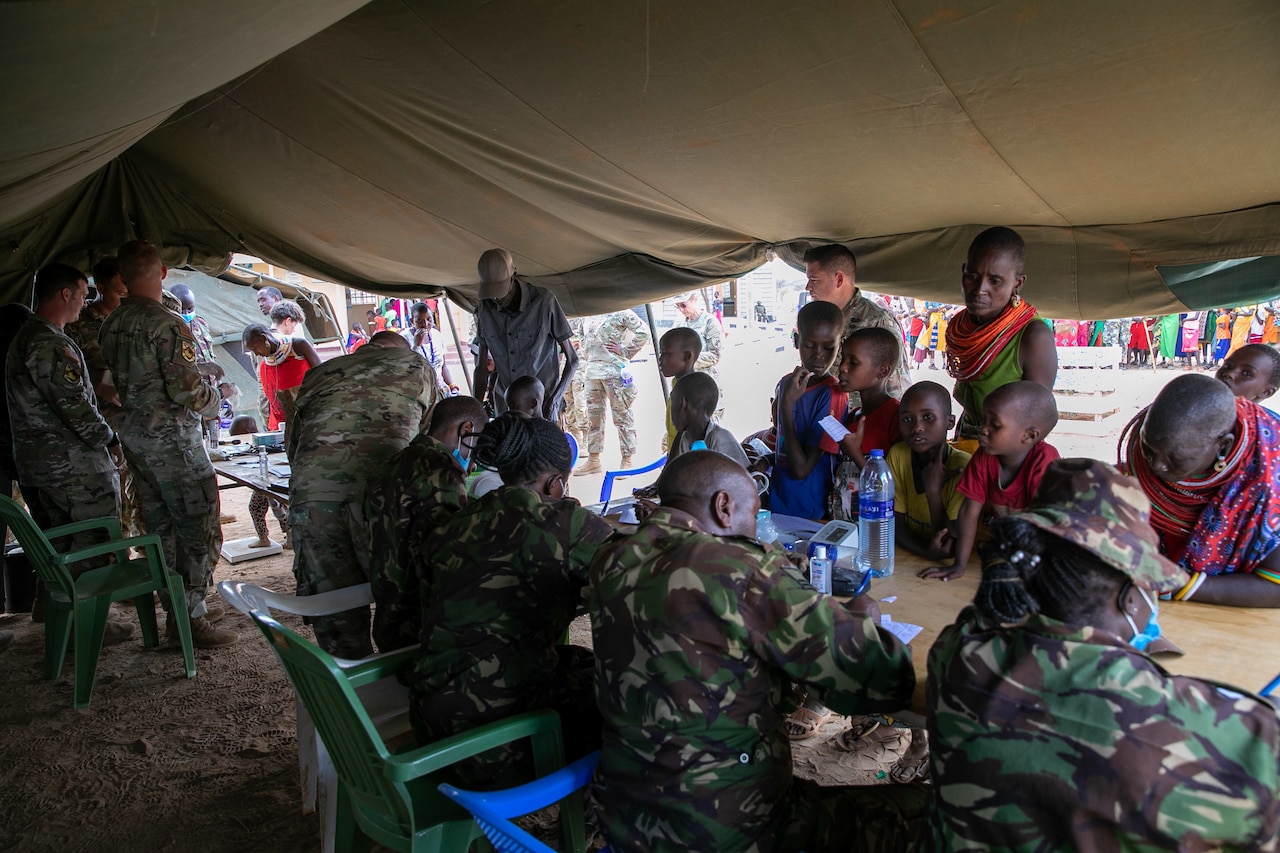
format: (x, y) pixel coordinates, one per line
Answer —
(320, 604)
(442, 753)
(109, 523)
(150, 542)
(371, 669)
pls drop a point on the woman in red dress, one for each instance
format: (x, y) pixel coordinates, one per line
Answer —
(285, 360)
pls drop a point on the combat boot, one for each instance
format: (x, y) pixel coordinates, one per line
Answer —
(590, 466)
(203, 634)
(626, 463)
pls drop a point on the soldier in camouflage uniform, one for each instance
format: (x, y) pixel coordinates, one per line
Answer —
(609, 342)
(710, 333)
(352, 415)
(1051, 728)
(152, 358)
(575, 398)
(64, 449)
(84, 331)
(699, 633)
(506, 579)
(423, 488)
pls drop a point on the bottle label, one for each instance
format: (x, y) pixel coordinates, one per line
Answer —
(820, 574)
(872, 510)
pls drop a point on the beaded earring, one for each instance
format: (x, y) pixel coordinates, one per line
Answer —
(1016, 301)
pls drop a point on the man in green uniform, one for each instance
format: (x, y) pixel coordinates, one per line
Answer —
(152, 358)
(1049, 726)
(424, 485)
(609, 342)
(699, 633)
(65, 451)
(352, 415)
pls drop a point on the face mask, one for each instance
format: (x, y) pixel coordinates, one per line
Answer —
(463, 462)
(189, 318)
(1142, 639)
(698, 445)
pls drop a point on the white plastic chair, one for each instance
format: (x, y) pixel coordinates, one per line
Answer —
(385, 701)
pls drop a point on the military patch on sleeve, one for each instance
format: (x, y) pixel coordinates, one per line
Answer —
(71, 372)
(188, 350)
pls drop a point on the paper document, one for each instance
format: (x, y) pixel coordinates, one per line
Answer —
(833, 428)
(904, 631)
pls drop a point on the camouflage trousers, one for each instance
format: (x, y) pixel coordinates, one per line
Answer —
(466, 704)
(872, 818)
(178, 495)
(94, 495)
(575, 405)
(331, 551)
(131, 523)
(620, 400)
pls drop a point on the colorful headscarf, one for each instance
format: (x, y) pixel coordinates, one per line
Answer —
(1228, 521)
(971, 348)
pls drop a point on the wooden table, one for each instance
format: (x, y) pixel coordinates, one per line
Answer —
(243, 471)
(1227, 644)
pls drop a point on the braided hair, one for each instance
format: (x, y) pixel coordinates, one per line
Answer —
(1026, 570)
(521, 448)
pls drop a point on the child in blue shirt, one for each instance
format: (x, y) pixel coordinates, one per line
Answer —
(806, 455)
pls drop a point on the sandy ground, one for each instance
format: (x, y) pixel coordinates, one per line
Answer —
(159, 762)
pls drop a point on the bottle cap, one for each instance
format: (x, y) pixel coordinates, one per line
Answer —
(877, 454)
(762, 513)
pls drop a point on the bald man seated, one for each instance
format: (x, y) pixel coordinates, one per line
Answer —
(1210, 463)
(699, 633)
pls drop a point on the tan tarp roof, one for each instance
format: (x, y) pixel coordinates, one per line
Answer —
(625, 150)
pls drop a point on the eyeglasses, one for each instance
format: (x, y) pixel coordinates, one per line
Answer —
(681, 304)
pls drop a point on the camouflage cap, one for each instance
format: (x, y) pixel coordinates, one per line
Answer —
(688, 296)
(1091, 504)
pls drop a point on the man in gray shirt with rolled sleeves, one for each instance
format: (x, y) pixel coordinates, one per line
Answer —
(524, 330)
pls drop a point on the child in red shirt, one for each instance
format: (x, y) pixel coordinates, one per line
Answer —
(1003, 475)
(868, 358)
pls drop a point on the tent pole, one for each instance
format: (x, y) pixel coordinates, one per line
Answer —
(457, 342)
(653, 336)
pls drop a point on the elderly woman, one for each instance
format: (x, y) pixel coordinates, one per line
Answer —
(997, 338)
(1210, 463)
(1050, 728)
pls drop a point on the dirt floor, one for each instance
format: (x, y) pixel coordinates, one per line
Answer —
(159, 762)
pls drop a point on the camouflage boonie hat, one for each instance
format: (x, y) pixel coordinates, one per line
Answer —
(1091, 504)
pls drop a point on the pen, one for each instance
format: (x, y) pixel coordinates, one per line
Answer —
(864, 585)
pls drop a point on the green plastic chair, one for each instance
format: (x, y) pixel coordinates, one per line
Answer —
(393, 799)
(82, 603)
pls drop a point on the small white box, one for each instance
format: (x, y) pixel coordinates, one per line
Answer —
(238, 550)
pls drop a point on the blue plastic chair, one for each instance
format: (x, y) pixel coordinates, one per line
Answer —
(1271, 687)
(492, 810)
(606, 488)
(573, 450)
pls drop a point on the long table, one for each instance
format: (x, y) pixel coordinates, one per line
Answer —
(1227, 644)
(243, 471)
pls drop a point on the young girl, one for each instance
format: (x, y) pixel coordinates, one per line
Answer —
(285, 360)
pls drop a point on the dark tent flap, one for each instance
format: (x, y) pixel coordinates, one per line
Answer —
(623, 152)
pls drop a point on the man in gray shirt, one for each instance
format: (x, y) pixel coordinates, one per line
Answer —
(524, 330)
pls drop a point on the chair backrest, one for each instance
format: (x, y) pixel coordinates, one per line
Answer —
(353, 742)
(606, 487)
(36, 547)
(493, 810)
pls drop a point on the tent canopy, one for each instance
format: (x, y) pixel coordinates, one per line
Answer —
(624, 151)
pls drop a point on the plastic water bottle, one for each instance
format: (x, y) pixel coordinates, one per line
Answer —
(626, 377)
(264, 468)
(766, 531)
(875, 517)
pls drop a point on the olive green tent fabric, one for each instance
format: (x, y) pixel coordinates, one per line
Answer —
(623, 151)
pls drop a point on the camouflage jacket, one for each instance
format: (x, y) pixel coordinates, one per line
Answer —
(58, 433)
(420, 493)
(506, 578)
(622, 328)
(708, 329)
(1057, 737)
(152, 358)
(84, 331)
(864, 313)
(698, 640)
(353, 413)
(204, 338)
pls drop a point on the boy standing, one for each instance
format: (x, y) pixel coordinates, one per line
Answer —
(692, 403)
(678, 352)
(1005, 472)
(806, 455)
(926, 470)
(868, 359)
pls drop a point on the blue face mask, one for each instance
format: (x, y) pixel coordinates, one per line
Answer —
(1148, 635)
(190, 318)
(698, 445)
(463, 462)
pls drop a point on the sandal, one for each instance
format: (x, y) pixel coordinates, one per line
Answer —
(805, 722)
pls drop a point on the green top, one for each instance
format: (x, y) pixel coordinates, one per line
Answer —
(1006, 367)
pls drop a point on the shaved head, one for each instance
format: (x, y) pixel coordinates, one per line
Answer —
(1034, 403)
(1190, 405)
(388, 339)
(712, 488)
(931, 391)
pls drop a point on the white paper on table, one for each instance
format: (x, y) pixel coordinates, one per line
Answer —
(890, 600)
(833, 428)
(904, 631)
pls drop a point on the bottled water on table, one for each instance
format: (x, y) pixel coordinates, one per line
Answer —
(766, 530)
(264, 467)
(875, 517)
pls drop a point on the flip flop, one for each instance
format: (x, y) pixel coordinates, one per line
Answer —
(805, 722)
